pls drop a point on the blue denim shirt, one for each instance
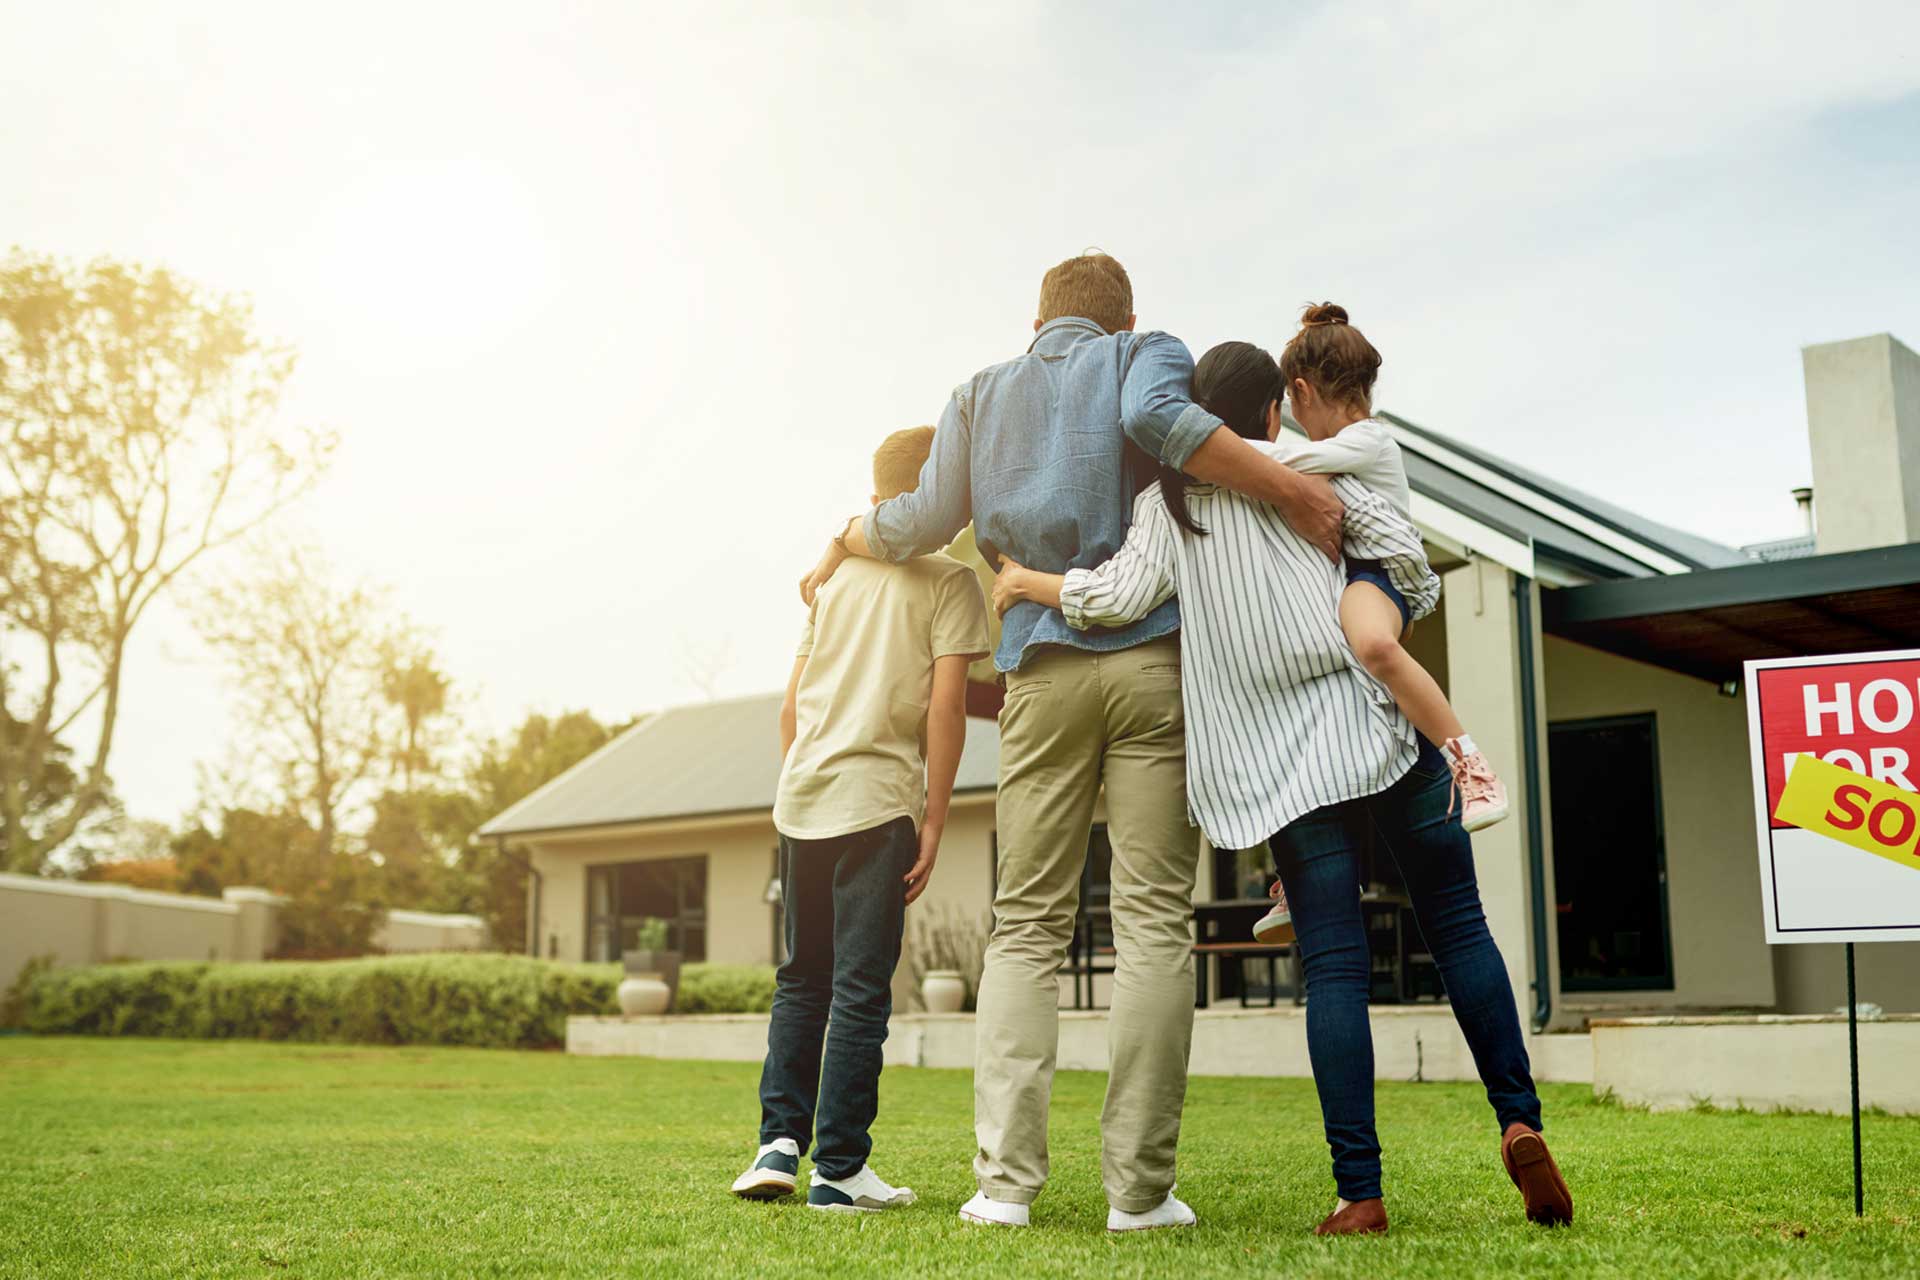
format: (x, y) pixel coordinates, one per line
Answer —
(1034, 452)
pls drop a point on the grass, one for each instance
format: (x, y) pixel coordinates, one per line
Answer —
(176, 1158)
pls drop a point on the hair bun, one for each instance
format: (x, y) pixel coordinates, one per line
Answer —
(1323, 313)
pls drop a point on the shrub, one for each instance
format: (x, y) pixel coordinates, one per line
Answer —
(494, 1001)
(13, 1004)
(487, 1001)
(725, 988)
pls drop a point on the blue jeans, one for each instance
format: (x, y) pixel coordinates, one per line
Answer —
(845, 906)
(1318, 859)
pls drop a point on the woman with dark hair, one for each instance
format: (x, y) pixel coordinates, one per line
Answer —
(1293, 743)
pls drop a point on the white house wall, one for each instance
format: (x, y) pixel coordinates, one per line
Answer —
(740, 860)
(1720, 957)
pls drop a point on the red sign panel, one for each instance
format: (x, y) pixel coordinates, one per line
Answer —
(1863, 716)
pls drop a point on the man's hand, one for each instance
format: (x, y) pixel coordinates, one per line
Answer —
(1316, 514)
(923, 868)
(830, 560)
(1307, 503)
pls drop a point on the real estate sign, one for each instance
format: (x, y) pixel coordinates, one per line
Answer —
(1835, 745)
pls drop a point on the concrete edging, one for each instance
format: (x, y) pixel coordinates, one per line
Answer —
(1763, 1062)
(1410, 1042)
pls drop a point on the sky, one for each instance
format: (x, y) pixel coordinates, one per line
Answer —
(609, 304)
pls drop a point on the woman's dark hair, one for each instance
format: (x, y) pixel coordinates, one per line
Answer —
(1334, 357)
(1235, 382)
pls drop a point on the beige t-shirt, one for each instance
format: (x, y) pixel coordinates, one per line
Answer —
(859, 748)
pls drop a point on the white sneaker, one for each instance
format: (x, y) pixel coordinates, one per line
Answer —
(1168, 1213)
(775, 1172)
(864, 1192)
(995, 1213)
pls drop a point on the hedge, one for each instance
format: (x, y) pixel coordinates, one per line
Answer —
(492, 1001)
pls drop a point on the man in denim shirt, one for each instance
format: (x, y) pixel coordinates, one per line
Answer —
(1035, 453)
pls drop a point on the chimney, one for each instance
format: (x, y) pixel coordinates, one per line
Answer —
(1863, 421)
(1803, 499)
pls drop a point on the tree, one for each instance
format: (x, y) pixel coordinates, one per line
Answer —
(138, 431)
(270, 850)
(414, 687)
(307, 662)
(38, 797)
(502, 773)
(136, 852)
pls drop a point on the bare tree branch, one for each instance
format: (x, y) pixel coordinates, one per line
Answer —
(139, 431)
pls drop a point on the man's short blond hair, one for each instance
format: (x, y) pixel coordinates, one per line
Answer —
(1092, 286)
(897, 462)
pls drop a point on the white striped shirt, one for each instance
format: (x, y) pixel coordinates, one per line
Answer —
(1281, 717)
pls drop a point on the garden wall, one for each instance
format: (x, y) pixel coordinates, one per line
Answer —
(79, 922)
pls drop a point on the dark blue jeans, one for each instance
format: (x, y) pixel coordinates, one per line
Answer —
(1318, 858)
(845, 904)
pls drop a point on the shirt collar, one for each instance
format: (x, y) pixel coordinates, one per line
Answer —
(1056, 335)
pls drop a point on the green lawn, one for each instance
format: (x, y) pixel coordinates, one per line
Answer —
(175, 1158)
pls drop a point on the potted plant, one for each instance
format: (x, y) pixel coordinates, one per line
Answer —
(943, 990)
(946, 950)
(653, 972)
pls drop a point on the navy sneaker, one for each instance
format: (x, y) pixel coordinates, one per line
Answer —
(864, 1192)
(775, 1172)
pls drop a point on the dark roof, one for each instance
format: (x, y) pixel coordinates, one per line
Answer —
(1708, 623)
(703, 760)
(1529, 514)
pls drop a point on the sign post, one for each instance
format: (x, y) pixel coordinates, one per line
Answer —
(1853, 1069)
(1835, 749)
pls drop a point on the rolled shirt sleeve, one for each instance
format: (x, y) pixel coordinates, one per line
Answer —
(1156, 401)
(1134, 581)
(928, 518)
(1373, 530)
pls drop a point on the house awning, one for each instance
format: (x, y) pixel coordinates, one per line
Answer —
(1707, 623)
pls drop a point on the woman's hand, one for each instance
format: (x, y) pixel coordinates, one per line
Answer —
(1010, 585)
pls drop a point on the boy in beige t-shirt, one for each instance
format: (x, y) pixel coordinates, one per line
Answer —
(871, 731)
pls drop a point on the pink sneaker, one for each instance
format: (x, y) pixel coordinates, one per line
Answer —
(1276, 927)
(1483, 796)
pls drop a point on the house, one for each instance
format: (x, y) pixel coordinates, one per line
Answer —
(1597, 655)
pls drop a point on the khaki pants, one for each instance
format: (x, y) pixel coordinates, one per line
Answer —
(1072, 721)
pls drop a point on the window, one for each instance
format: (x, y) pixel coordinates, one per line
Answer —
(621, 896)
(1242, 873)
(1609, 855)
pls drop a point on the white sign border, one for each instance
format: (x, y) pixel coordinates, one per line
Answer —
(1763, 820)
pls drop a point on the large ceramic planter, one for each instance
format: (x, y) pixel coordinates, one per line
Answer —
(643, 995)
(943, 991)
(653, 979)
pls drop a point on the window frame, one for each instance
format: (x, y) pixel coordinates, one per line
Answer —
(677, 924)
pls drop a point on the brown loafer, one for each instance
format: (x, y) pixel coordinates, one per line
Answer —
(1361, 1218)
(1532, 1169)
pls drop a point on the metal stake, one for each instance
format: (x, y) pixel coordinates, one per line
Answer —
(1853, 1069)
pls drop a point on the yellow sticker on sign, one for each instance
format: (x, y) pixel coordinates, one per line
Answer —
(1872, 816)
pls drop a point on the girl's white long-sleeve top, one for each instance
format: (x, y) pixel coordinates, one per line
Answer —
(1281, 717)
